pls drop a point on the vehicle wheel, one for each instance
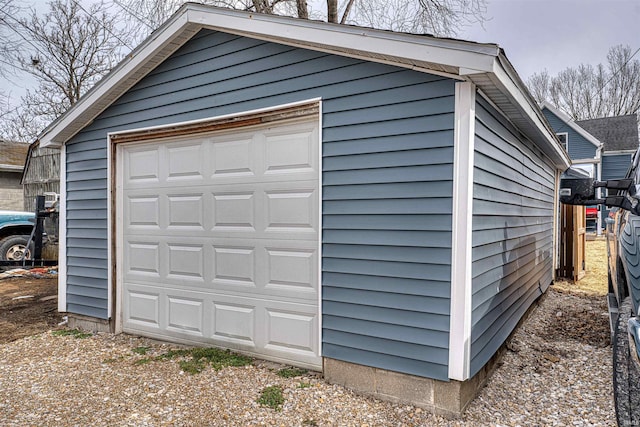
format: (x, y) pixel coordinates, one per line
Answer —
(626, 377)
(12, 248)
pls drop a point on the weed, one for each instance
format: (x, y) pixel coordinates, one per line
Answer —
(304, 385)
(76, 333)
(196, 360)
(272, 397)
(141, 350)
(291, 372)
(192, 366)
(310, 422)
(141, 362)
(218, 358)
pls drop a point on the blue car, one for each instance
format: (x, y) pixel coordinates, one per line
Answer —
(15, 228)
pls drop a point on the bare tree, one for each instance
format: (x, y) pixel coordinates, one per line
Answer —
(587, 92)
(439, 17)
(67, 50)
(9, 42)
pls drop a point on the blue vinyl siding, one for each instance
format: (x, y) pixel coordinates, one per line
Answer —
(579, 146)
(615, 166)
(513, 199)
(387, 141)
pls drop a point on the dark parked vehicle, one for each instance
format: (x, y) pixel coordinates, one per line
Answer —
(15, 228)
(623, 253)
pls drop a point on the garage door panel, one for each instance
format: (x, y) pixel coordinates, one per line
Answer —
(142, 166)
(292, 270)
(234, 323)
(290, 152)
(186, 211)
(291, 210)
(270, 328)
(142, 308)
(235, 265)
(185, 162)
(142, 258)
(233, 157)
(220, 241)
(186, 261)
(185, 315)
(234, 211)
(290, 330)
(143, 211)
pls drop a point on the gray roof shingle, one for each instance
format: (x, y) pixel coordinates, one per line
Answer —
(13, 154)
(617, 133)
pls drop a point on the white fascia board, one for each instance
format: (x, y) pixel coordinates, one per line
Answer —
(529, 108)
(126, 68)
(572, 124)
(461, 235)
(11, 168)
(618, 152)
(306, 33)
(593, 161)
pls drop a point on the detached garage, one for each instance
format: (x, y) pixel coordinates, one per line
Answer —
(375, 205)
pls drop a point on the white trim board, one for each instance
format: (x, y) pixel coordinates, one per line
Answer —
(461, 245)
(319, 226)
(117, 233)
(62, 233)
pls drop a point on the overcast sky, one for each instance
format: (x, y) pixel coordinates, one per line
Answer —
(556, 34)
(536, 34)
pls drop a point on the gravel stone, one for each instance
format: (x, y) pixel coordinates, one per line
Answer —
(556, 372)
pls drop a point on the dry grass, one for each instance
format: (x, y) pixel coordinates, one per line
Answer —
(595, 280)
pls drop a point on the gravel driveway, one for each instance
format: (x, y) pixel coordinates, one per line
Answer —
(556, 371)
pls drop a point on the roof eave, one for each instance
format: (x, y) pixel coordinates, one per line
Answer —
(507, 91)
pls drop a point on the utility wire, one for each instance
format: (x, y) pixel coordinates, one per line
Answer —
(621, 68)
(130, 12)
(77, 3)
(19, 33)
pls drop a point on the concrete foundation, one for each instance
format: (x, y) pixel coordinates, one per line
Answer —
(447, 398)
(90, 324)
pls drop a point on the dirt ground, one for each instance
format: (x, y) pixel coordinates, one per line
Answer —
(28, 306)
(594, 281)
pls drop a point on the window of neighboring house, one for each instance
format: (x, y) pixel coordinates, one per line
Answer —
(564, 139)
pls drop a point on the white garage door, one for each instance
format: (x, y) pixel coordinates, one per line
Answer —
(219, 240)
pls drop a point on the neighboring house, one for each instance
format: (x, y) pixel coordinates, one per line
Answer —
(584, 149)
(41, 174)
(619, 135)
(12, 156)
(376, 205)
